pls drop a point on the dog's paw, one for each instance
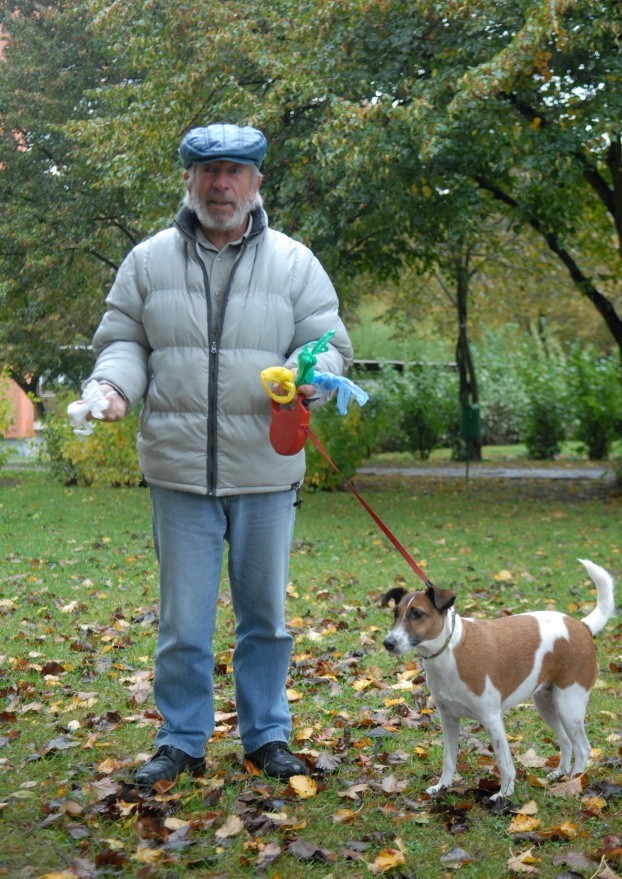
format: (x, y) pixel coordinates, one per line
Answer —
(435, 788)
(556, 774)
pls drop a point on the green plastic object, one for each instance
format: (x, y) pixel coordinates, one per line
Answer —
(470, 425)
(307, 359)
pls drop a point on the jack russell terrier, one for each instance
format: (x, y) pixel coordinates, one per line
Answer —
(481, 668)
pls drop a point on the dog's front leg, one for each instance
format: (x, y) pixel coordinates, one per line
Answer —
(450, 726)
(496, 730)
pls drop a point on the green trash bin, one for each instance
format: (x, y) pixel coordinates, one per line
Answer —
(470, 424)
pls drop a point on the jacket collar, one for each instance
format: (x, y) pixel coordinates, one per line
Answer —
(187, 222)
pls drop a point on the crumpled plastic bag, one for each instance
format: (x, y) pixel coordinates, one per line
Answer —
(344, 386)
(93, 402)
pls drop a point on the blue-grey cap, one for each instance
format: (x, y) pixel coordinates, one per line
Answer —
(222, 141)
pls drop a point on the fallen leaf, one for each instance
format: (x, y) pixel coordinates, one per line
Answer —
(327, 762)
(523, 824)
(529, 808)
(457, 857)
(345, 816)
(523, 863)
(303, 786)
(232, 826)
(354, 791)
(305, 851)
(571, 788)
(387, 859)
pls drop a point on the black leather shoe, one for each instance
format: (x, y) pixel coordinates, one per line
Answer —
(276, 760)
(165, 765)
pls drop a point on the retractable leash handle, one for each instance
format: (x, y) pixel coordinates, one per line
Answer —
(288, 426)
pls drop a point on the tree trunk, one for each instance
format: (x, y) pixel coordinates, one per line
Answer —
(468, 394)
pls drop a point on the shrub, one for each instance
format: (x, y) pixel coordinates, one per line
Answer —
(347, 440)
(502, 395)
(383, 411)
(429, 407)
(107, 457)
(596, 392)
(543, 368)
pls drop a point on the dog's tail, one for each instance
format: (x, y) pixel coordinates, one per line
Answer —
(605, 604)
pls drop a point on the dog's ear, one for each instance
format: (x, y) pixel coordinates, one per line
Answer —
(442, 599)
(395, 595)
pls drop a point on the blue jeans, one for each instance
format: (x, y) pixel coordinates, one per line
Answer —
(190, 531)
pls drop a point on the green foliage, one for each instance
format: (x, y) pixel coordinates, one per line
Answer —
(429, 408)
(503, 399)
(596, 390)
(348, 439)
(106, 457)
(542, 366)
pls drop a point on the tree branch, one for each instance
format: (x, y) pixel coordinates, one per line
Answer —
(585, 286)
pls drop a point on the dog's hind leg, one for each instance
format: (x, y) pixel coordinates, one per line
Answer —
(546, 703)
(450, 726)
(571, 707)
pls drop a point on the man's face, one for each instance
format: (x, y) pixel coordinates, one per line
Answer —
(222, 193)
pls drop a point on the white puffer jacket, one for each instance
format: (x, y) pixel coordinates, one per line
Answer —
(205, 421)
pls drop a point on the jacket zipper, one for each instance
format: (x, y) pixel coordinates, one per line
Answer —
(213, 338)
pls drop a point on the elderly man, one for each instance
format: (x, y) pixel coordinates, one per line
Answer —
(195, 314)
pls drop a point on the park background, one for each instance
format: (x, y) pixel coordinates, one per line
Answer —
(457, 168)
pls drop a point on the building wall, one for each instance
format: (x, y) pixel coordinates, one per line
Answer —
(24, 417)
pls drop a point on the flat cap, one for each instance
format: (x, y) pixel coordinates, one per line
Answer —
(222, 141)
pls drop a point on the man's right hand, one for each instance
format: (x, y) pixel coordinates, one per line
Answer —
(117, 406)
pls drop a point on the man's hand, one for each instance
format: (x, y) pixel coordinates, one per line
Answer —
(115, 410)
(307, 391)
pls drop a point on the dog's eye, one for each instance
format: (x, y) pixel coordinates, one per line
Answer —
(415, 614)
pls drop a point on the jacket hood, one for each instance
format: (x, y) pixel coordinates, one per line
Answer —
(187, 222)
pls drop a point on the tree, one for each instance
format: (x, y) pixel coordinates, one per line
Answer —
(522, 99)
(62, 235)
(371, 106)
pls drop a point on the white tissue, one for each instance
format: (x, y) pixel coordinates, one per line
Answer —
(93, 402)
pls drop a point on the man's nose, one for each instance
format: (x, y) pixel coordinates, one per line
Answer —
(220, 180)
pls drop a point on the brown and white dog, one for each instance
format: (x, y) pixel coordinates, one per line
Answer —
(481, 668)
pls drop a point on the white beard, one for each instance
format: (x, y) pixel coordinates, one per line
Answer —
(218, 223)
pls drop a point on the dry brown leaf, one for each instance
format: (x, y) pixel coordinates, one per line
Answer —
(103, 787)
(523, 824)
(303, 786)
(566, 830)
(523, 863)
(571, 788)
(345, 816)
(387, 859)
(232, 826)
(354, 791)
(529, 808)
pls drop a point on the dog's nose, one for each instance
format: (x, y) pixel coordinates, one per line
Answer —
(389, 644)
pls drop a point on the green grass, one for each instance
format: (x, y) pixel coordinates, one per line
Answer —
(78, 602)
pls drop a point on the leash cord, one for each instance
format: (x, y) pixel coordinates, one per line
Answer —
(385, 530)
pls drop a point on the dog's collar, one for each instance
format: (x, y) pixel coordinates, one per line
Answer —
(446, 642)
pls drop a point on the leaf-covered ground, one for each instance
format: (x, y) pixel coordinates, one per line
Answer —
(78, 617)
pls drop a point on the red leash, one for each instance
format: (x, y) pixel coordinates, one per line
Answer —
(399, 547)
